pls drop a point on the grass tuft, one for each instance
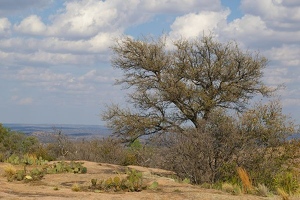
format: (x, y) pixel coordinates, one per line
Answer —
(75, 187)
(246, 181)
(282, 193)
(230, 188)
(262, 190)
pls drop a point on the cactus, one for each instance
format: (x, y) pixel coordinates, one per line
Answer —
(117, 180)
(108, 182)
(20, 175)
(94, 182)
(134, 180)
(76, 170)
(84, 170)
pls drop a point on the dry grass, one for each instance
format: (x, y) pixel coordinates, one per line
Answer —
(76, 187)
(9, 172)
(282, 193)
(233, 189)
(262, 190)
(246, 181)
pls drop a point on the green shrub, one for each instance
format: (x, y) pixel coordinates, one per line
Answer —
(230, 188)
(288, 182)
(132, 183)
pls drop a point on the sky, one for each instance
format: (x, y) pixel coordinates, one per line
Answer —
(55, 54)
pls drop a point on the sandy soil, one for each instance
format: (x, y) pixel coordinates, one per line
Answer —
(168, 189)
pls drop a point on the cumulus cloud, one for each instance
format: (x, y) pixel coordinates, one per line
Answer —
(5, 26)
(85, 19)
(81, 19)
(50, 81)
(286, 55)
(278, 14)
(31, 25)
(81, 32)
(195, 24)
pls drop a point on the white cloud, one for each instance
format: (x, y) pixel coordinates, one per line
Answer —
(50, 81)
(193, 25)
(31, 25)
(85, 19)
(5, 26)
(278, 14)
(286, 55)
(245, 30)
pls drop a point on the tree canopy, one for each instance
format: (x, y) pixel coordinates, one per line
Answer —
(182, 83)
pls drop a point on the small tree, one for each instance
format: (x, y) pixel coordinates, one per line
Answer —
(12, 142)
(172, 88)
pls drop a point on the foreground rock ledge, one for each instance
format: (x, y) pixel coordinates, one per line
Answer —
(168, 189)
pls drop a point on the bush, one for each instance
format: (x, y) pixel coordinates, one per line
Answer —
(233, 189)
(288, 182)
(255, 140)
(15, 143)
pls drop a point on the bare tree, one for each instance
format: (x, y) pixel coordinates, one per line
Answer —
(182, 85)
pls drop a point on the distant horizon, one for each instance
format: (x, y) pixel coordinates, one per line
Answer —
(65, 124)
(70, 130)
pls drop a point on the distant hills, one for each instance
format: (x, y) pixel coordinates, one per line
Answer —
(74, 131)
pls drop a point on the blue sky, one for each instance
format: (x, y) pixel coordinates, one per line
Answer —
(54, 54)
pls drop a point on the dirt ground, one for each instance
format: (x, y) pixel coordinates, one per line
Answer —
(58, 186)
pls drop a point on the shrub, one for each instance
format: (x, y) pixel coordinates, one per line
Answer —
(287, 182)
(15, 143)
(230, 188)
(256, 139)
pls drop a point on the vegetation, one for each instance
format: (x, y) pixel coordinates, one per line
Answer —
(133, 182)
(12, 142)
(37, 172)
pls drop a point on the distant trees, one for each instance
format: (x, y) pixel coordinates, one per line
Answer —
(12, 142)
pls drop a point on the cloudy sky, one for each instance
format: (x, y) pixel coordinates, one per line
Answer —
(55, 56)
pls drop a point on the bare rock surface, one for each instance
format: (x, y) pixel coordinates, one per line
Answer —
(168, 188)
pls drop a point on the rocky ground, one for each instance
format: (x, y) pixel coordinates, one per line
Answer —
(58, 186)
